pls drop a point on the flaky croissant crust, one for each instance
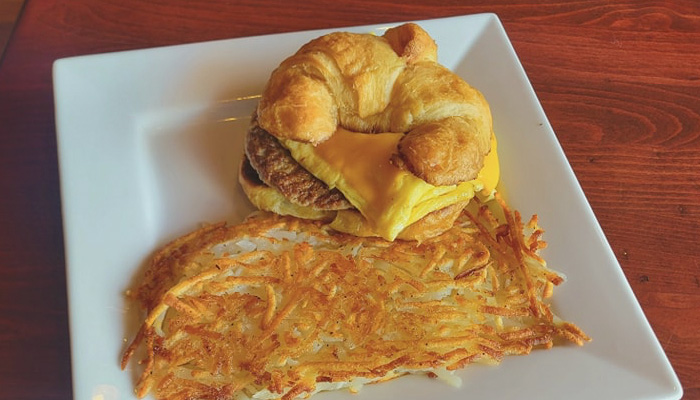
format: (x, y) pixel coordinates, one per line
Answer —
(390, 83)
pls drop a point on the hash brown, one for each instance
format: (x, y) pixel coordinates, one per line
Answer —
(278, 307)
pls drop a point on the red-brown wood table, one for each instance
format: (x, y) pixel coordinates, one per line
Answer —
(619, 81)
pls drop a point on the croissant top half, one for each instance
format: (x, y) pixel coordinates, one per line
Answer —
(391, 83)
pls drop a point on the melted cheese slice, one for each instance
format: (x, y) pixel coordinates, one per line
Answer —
(388, 197)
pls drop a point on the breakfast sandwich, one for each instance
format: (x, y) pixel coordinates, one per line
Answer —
(372, 135)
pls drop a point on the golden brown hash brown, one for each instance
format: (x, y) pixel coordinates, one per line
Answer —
(282, 307)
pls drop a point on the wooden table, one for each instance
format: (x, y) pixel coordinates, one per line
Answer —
(619, 81)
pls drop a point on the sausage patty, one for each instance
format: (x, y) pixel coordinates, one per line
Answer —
(277, 168)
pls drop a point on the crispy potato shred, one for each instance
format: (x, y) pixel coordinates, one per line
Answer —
(278, 307)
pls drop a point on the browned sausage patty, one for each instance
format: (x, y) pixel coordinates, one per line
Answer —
(277, 168)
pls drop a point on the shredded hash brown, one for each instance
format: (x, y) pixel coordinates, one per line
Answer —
(278, 307)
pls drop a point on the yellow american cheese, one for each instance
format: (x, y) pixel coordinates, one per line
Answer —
(388, 197)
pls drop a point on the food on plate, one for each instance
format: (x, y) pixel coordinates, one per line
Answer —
(382, 248)
(372, 135)
(281, 307)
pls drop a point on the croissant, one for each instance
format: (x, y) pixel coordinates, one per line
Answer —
(389, 83)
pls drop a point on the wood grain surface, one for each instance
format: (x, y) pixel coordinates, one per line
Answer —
(619, 81)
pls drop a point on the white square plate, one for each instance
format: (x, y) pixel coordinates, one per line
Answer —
(149, 142)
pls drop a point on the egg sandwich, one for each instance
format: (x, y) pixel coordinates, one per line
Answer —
(371, 135)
